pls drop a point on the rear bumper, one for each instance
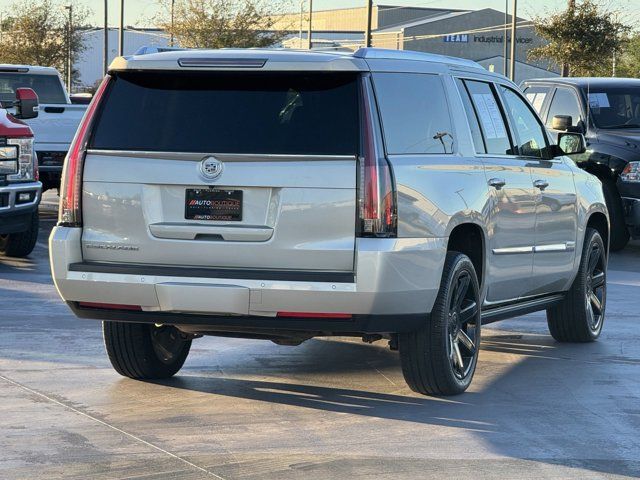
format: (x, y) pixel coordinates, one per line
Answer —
(15, 214)
(260, 325)
(396, 281)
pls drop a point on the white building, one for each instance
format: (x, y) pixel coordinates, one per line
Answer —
(91, 60)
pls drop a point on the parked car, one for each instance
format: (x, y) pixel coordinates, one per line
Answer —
(607, 112)
(58, 120)
(287, 195)
(19, 186)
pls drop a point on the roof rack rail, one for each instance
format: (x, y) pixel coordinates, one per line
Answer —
(383, 53)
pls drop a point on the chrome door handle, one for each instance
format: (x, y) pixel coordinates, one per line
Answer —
(541, 184)
(497, 183)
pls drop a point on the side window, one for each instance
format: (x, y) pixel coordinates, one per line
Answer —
(565, 102)
(492, 123)
(472, 118)
(536, 96)
(532, 141)
(415, 115)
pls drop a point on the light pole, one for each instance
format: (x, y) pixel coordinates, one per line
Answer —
(565, 66)
(309, 33)
(505, 47)
(121, 31)
(105, 52)
(69, 53)
(512, 73)
(173, 4)
(301, 22)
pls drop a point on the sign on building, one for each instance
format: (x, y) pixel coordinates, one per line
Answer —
(458, 38)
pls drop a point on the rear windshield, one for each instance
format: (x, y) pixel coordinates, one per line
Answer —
(615, 108)
(48, 87)
(300, 113)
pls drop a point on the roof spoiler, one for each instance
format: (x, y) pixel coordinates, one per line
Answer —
(14, 69)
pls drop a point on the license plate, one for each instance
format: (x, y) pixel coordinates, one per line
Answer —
(213, 204)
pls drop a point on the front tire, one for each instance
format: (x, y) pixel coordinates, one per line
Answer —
(144, 351)
(21, 244)
(579, 317)
(441, 357)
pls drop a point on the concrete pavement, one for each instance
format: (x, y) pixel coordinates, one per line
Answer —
(330, 408)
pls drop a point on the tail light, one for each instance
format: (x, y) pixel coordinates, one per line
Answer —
(71, 184)
(631, 172)
(376, 189)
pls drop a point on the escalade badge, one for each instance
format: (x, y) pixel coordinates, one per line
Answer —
(211, 167)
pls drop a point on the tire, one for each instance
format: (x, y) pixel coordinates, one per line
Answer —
(579, 317)
(144, 351)
(441, 357)
(21, 244)
(619, 232)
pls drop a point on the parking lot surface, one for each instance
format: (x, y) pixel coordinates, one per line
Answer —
(330, 408)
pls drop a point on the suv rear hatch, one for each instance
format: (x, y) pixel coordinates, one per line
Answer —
(250, 170)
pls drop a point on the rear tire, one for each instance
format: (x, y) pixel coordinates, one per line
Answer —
(21, 244)
(619, 232)
(441, 357)
(579, 317)
(144, 351)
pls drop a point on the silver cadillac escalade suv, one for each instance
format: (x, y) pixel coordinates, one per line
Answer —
(284, 195)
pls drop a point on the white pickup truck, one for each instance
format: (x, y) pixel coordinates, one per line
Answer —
(57, 121)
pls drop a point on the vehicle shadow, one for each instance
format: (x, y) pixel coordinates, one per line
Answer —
(527, 401)
(332, 399)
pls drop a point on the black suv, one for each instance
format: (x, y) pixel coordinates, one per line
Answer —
(607, 111)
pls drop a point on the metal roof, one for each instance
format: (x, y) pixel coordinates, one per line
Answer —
(387, 54)
(592, 82)
(273, 59)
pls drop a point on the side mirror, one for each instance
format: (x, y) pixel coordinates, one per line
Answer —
(26, 104)
(572, 143)
(81, 98)
(561, 122)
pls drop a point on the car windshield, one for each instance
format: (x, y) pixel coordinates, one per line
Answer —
(48, 87)
(615, 107)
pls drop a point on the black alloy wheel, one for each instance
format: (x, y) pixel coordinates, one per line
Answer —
(463, 329)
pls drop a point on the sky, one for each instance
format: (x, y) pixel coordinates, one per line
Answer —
(140, 13)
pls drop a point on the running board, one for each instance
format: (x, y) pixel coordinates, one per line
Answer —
(511, 310)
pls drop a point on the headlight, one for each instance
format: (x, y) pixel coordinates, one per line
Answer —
(631, 172)
(8, 160)
(26, 167)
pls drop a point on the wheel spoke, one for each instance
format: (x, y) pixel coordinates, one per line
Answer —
(467, 342)
(452, 353)
(597, 280)
(593, 259)
(461, 291)
(458, 356)
(590, 314)
(595, 303)
(468, 313)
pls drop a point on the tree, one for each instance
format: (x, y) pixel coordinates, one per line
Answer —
(36, 32)
(223, 23)
(584, 36)
(629, 64)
